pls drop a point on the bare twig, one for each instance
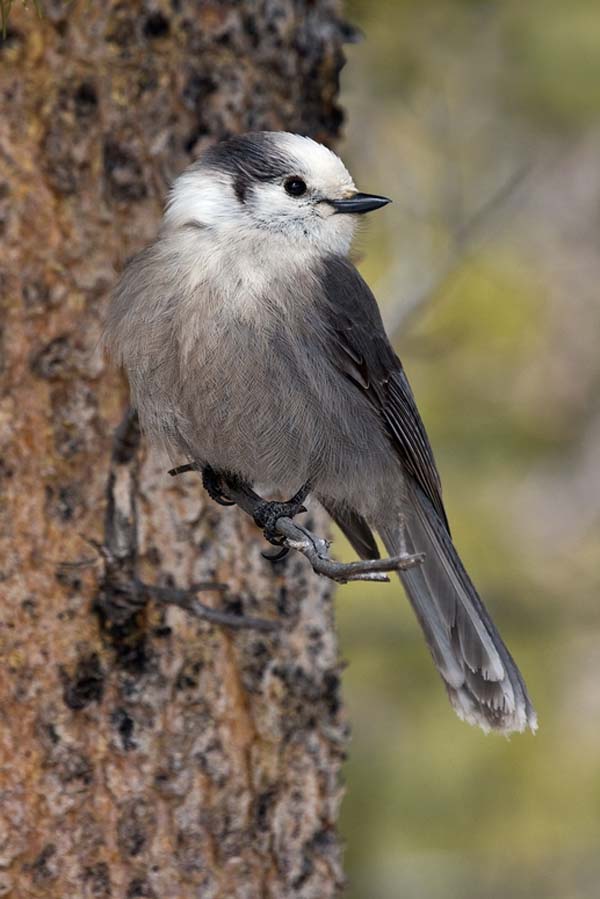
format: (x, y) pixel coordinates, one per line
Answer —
(122, 593)
(316, 549)
(186, 599)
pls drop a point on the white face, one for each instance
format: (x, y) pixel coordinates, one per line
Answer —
(292, 206)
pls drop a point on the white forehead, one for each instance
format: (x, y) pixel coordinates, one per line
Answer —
(320, 165)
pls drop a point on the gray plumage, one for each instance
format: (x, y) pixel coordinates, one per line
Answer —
(253, 345)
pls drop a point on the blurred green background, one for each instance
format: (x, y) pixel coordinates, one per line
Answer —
(482, 121)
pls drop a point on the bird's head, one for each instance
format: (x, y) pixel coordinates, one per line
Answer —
(271, 182)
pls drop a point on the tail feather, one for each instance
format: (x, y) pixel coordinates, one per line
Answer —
(482, 680)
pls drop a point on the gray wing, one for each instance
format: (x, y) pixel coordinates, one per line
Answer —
(362, 351)
(483, 682)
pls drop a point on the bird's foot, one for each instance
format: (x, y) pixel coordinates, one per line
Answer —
(212, 482)
(266, 514)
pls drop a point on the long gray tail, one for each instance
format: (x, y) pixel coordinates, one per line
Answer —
(483, 682)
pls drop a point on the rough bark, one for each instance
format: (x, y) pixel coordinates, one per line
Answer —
(144, 752)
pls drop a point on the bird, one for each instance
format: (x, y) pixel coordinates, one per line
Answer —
(253, 347)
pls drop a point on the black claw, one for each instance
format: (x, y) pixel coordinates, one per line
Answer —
(276, 557)
(222, 501)
(212, 484)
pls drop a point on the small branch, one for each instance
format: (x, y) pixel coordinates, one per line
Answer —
(315, 548)
(186, 599)
(316, 551)
(123, 593)
(122, 600)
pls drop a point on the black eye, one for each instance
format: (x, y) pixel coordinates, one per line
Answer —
(295, 187)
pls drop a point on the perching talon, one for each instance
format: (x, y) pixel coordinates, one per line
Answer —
(211, 482)
(276, 557)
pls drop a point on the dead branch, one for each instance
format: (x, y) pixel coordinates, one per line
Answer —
(122, 592)
(186, 599)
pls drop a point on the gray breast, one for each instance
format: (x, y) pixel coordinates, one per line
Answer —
(268, 404)
(249, 388)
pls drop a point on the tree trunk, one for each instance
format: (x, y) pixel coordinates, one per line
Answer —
(144, 752)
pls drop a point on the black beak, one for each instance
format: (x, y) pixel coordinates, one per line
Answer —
(359, 203)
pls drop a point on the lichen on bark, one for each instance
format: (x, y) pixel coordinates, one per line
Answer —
(147, 754)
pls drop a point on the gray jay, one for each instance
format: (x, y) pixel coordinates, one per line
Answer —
(253, 346)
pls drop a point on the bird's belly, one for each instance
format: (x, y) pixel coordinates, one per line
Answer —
(275, 433)
(251, 421)
(272, 414)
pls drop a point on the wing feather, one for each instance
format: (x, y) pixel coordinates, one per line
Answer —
(361, 350)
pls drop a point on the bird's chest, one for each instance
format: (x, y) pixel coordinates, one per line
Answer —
(251, 396)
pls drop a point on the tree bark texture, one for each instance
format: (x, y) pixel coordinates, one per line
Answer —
(144, 752)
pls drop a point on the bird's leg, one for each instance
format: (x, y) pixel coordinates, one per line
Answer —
(266, 514)
(212, 481)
